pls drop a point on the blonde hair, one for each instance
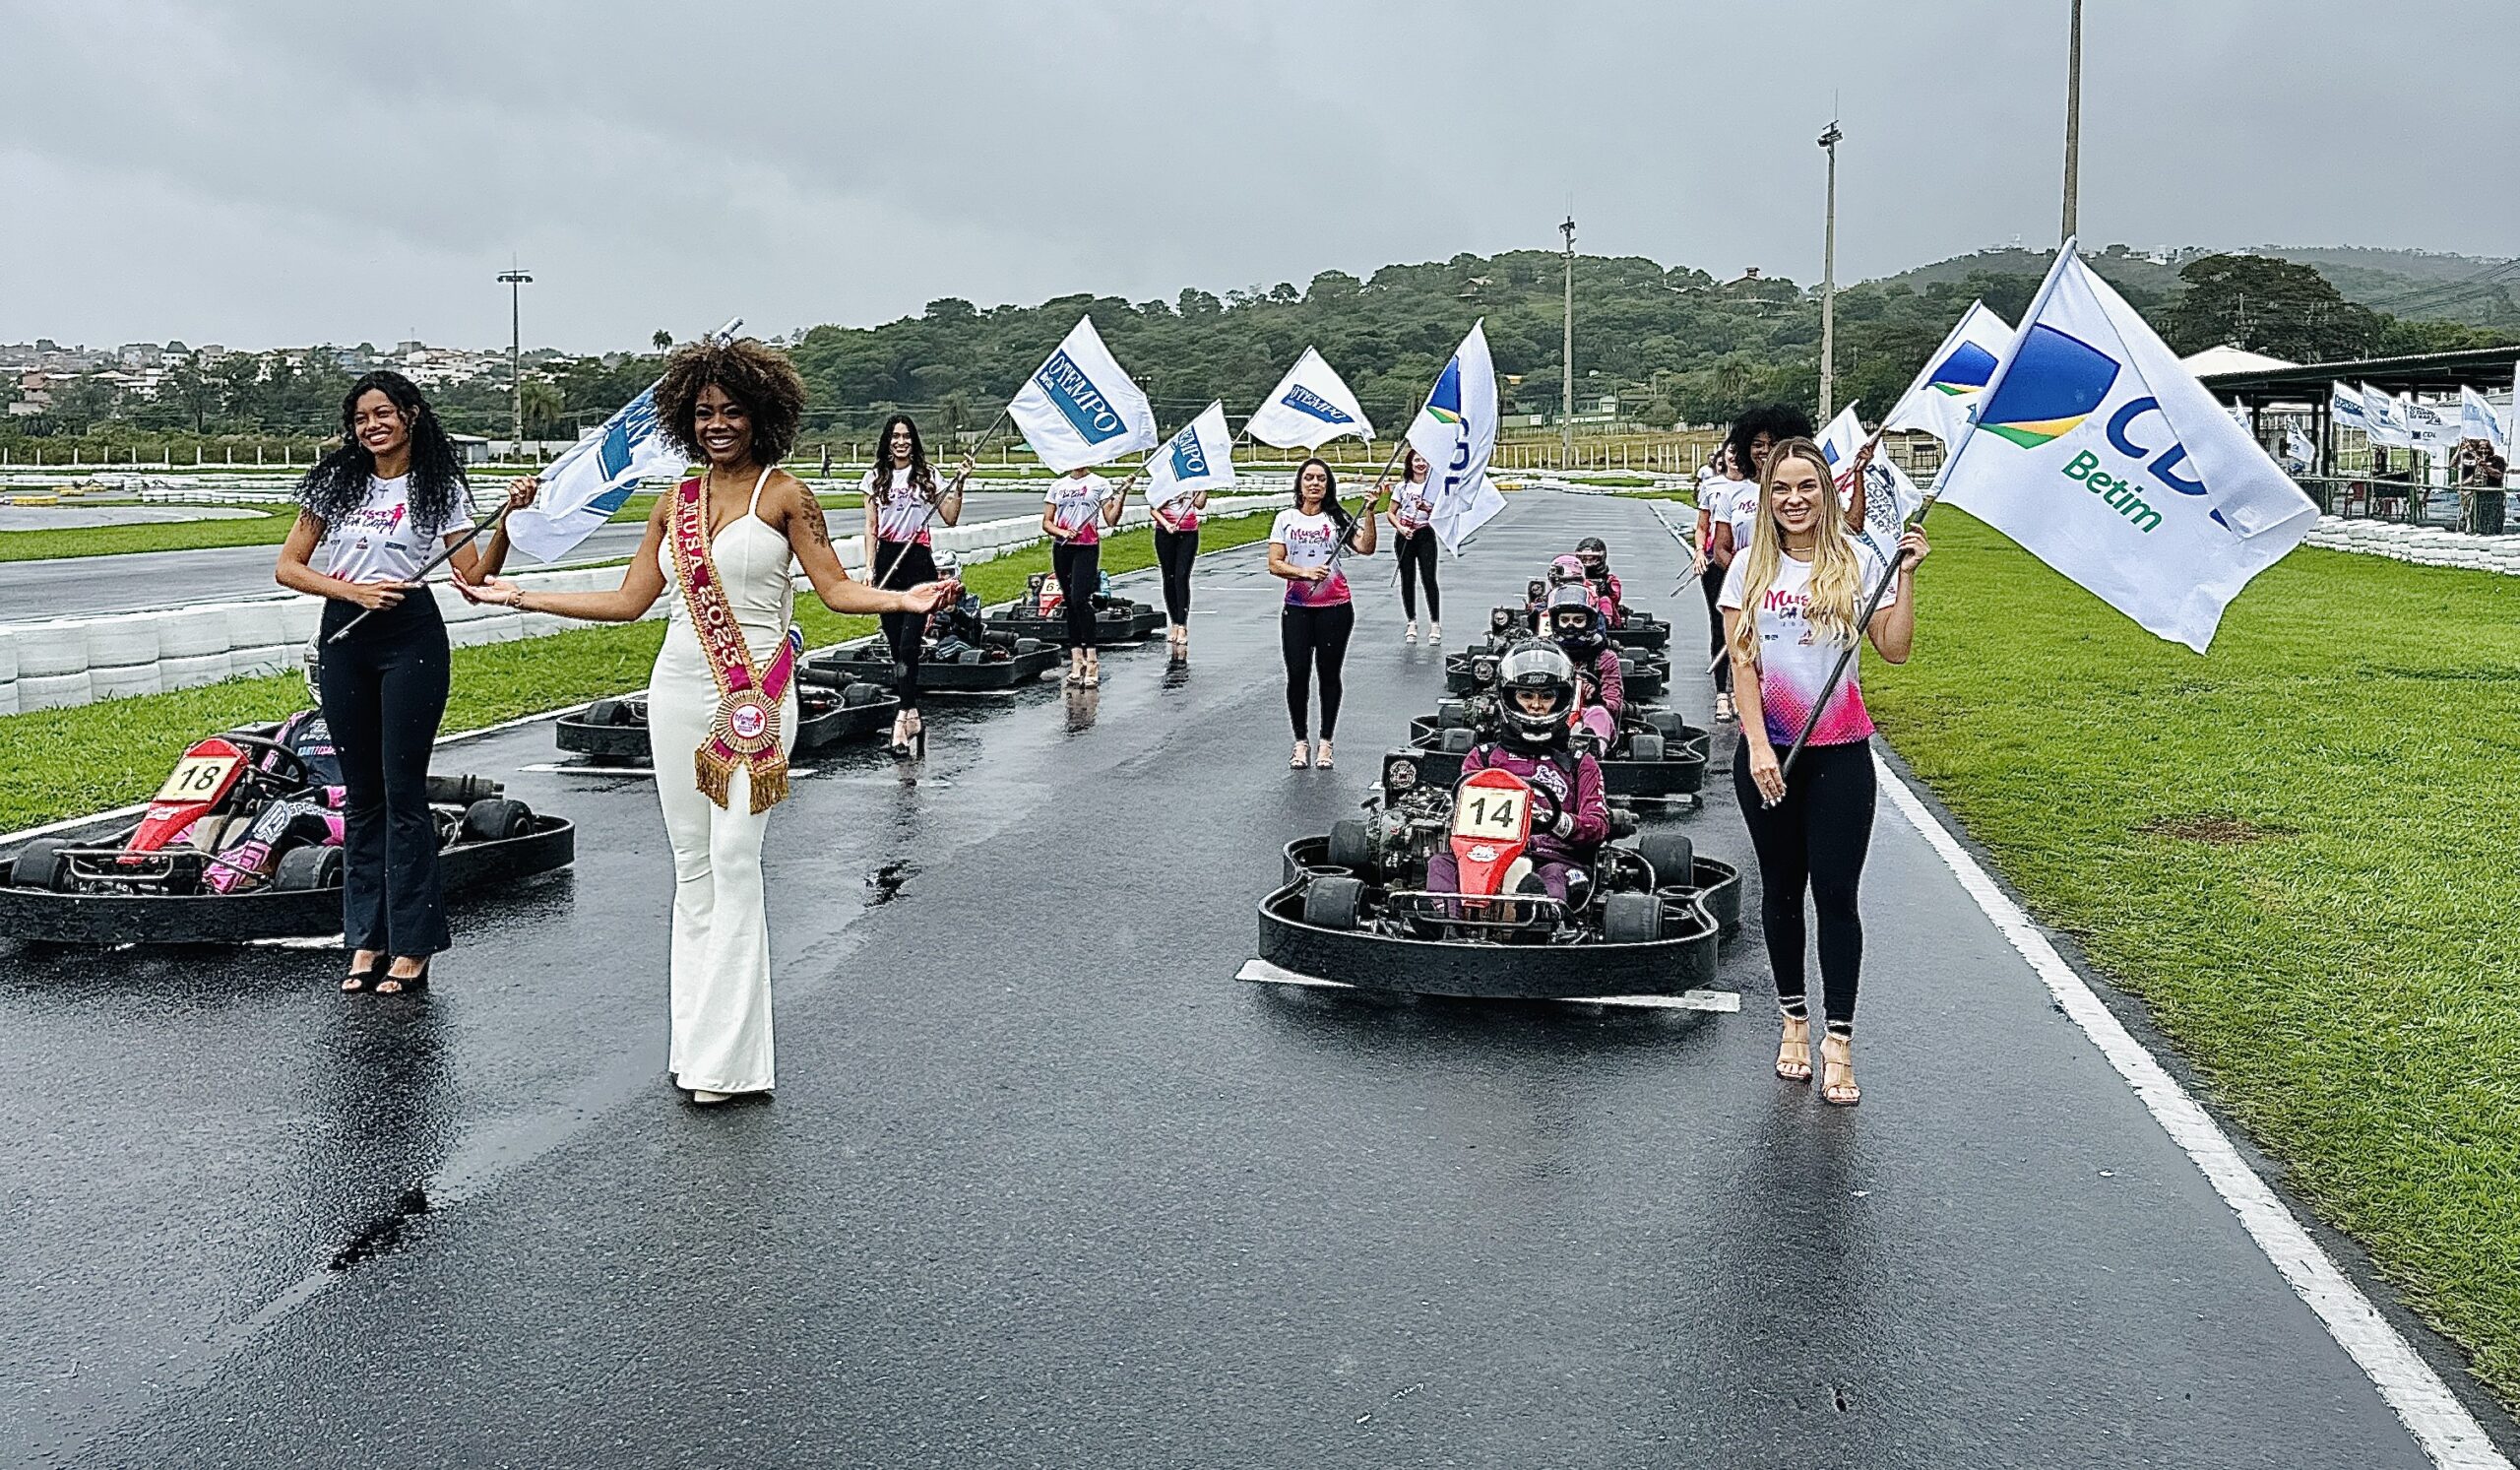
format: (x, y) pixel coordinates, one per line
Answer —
(1836, 573)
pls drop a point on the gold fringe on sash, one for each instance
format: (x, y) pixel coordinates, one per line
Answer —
(715, 776)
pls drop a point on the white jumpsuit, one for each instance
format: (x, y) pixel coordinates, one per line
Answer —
(721, 985)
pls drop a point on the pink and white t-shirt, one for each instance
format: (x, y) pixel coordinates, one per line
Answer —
(1719, 496)
(1310, 541)
(1076, 502)
(1181, 513)
(902, 513)
(1743, 512)
(1412, 508)
(1793, 664)
(382, 540)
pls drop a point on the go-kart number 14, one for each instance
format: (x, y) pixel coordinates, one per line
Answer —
(1488, 811)
(196, 778)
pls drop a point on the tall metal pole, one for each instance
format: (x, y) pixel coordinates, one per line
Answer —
(1566, 408)
(515, 280)
(1829, 284)
(2073, 128)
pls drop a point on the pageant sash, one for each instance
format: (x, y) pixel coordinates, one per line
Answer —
(745, 730)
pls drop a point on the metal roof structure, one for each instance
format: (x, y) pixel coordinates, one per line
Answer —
(2480, 368)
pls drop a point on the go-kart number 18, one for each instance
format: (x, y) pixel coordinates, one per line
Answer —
(1488, 811)
(197, 777)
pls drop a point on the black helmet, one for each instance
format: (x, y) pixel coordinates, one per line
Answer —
(1595, 553)
(1535, 665)
(1574, 619)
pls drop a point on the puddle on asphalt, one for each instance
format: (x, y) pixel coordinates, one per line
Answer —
(884, 884)
(382, 1235)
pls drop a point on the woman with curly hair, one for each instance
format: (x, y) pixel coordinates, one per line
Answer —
(381, 506)
(904, 501)
(723, 694)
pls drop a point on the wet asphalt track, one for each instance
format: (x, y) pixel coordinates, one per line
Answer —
(87, 586)
(1044, 1185)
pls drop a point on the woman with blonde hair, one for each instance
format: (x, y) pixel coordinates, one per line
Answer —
(1790, 600)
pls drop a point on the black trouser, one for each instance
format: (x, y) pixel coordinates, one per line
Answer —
(1417, 559)
(1174, 551)
(1814, 839)
(1712, 580)
(384, 691)
(905, 633)
(1315, 638)
(1080, 573)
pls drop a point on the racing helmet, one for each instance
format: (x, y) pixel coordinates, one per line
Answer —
(1542, 666)
(1565, 569)
(1594, 554)
(1574, 619)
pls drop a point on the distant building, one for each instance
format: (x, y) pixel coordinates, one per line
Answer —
(471, 449)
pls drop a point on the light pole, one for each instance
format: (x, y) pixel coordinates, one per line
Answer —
(514, 281)
(2074, 127)
(1566, 405)
(1829, 283)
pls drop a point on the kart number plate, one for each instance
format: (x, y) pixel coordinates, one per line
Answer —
(198, 777)
(1489, 812)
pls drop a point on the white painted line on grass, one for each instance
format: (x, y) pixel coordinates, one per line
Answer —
(2430, 1411)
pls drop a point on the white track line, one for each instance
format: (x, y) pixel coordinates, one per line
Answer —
(2430, 1411)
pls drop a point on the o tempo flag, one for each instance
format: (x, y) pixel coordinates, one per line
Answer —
(593, 479)
(2385, 418)
(2106, 459)
(1199, 458)
(1310, 406)
(2344, 406)
(1079, 409)
(1954, 378)
(2480, 420)
(1455, 433)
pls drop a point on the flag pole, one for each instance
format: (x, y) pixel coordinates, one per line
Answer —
(1845, 655)
(420, 578)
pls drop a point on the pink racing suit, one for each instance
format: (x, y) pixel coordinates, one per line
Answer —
(1575, 781)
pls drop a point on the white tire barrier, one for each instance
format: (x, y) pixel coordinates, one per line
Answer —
(8, 657)
(53, 691)
(252, 626)
(9, 698)
(192, 632)
(51, 649)
(195, 669)
(264, 659)
(122, 642)
(129, 681)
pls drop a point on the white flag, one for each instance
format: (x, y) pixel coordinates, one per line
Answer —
(2386, 419)
(1954, 378)
(2107, 460)
(1199, 458)
(2481, 419)
(592, 480)
(2436, 425)
(2240, 416)
(2300, 454)
(1310, 406)
(1889, 496)
(1455, 433)
(2344, 406)
(1079, 409)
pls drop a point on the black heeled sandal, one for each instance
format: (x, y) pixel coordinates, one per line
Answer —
(359, 979)
(404, 984)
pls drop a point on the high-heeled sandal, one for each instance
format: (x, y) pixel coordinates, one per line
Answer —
(360, 979)
(1793, 1054)
(1837, 1073)
(1302, 759)
(1321, 757)
(404, 984)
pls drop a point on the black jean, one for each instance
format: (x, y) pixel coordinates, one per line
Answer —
(1316, 639)
(1815, 841)
(1175, 552)
(1712, 581)
(1080, 573)
(1417, 559)
(905, 633)
(384, 691)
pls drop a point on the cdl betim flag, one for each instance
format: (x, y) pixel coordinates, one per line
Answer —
(1456, 434)
(1078, 408)
(1310, 406)
(2105, 458)
(1954, 379)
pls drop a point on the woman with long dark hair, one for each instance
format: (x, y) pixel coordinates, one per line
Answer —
(1411, 516)
(1792, 601)
(1305, 544)
(721, 701)
(381, 506)
(1714, 500)
(904, 501)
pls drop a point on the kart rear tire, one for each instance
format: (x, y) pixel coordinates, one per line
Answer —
(1645, 745)
(1631, 919)
(1030, 645)
(1451, 714)
(497, 821)
(856, 693)
(1458, 740)
(1672, 856)
(40, 864)
(1664, 722)
(1334, 903)
(1626, 668)
(308, 870)
(1350, 848)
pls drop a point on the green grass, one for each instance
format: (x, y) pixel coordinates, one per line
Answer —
(2299, 851)
(66, 762)
(268, 526)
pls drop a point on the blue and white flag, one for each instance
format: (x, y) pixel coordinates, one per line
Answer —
(593, 479)
(1310, 406)
(1199, 458)
(1889, 496)
(2481, 419)
(2345, 407)
(2105, 458)
(2300, 454)
(1455, 433)
(1078, 408)
(1954, 378)
(2386, 419)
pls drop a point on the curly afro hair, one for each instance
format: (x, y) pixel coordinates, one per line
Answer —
(759, 377)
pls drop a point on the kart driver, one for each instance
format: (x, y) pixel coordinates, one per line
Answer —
(1568, 828)
(1593, 556)
(957, 625)
(1600, 692)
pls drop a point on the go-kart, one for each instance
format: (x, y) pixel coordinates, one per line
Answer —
(1642, 918)
(973, 657)
(1653, 755)
(243, 841)
(1475, 668)
(1640, 631)
(1037, 614)
(831, 706)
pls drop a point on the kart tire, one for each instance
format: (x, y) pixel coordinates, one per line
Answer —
(613, 712)
(1672, 856)
(496, 820)
(1631, 919)
(40, 865)
(968, 656)
(1458, 740)
(855, 693)
(1664, 722)
(1646, 745)
(308, 870)
(1030, 645)
(1334, 903)
(458, 790)
(1626, 668)
(1451, 714)
(1350, 848)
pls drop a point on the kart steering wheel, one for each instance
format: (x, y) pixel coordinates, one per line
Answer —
(293, 775)
(1545, 800)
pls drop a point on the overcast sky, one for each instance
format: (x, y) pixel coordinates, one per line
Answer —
(259, 173)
